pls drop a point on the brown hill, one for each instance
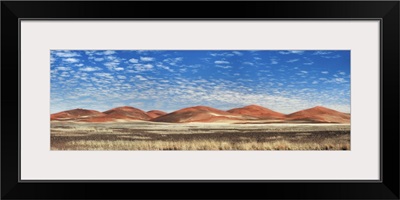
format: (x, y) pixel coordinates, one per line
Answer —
(75, 114)
(127, 112)
(258, 112)
(316, 114)
(320, 114)
(155, 113)
(198, 114)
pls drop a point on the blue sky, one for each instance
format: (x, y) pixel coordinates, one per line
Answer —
(285, 81)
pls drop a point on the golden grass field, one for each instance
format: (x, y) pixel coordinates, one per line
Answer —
(198, 136)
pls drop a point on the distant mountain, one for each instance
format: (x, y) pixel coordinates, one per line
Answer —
(320, 114)
(258, 112)
(127, 112)
(198, 114)
(247, 114)
(124, 113)
(75, 114)
(155, 113)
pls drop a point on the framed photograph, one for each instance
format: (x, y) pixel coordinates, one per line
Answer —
(288, 96)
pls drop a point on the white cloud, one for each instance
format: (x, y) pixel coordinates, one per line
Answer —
(71, 60)
(109, 52)
(291, 52)
(63, 68)
(292, 60)
(104, 75)
(112, 58)
(141, 78)
(274, 61)
(337, 80)
(160, 65)
(297, 52)
(65, 74)
(133, 60)
(334, 56)
(98, 59)
(52, 59)
(121, 77)
(173, 61)
(221, 62)
(86, 84)
(66, 54)
(146, 59)
(237, 53)
(143, 67)
(90, 53)
(224, 66)
(111, 65)
(142, 51)
(222, 54)
(178, 59)
(89, 69)
(248, 63)
(309, 61)
(325, 72)
(206, 60)
(322, 53)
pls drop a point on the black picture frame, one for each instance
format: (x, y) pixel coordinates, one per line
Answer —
(385, 11)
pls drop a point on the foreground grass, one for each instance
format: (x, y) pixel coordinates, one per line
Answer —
(327, 144)
(104, 137)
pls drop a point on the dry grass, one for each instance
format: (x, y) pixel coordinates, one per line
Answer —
(200, 145)
(148, 136)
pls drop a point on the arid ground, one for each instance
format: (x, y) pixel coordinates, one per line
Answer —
(198, 136)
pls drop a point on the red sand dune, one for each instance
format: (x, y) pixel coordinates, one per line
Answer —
(120, 113)
(75, 114)
(250, 113)
(258, 112)
(198, 114)
(320, 114)
(127, 112)
(155, 113)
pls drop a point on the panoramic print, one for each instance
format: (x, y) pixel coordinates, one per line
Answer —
(200, 100)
